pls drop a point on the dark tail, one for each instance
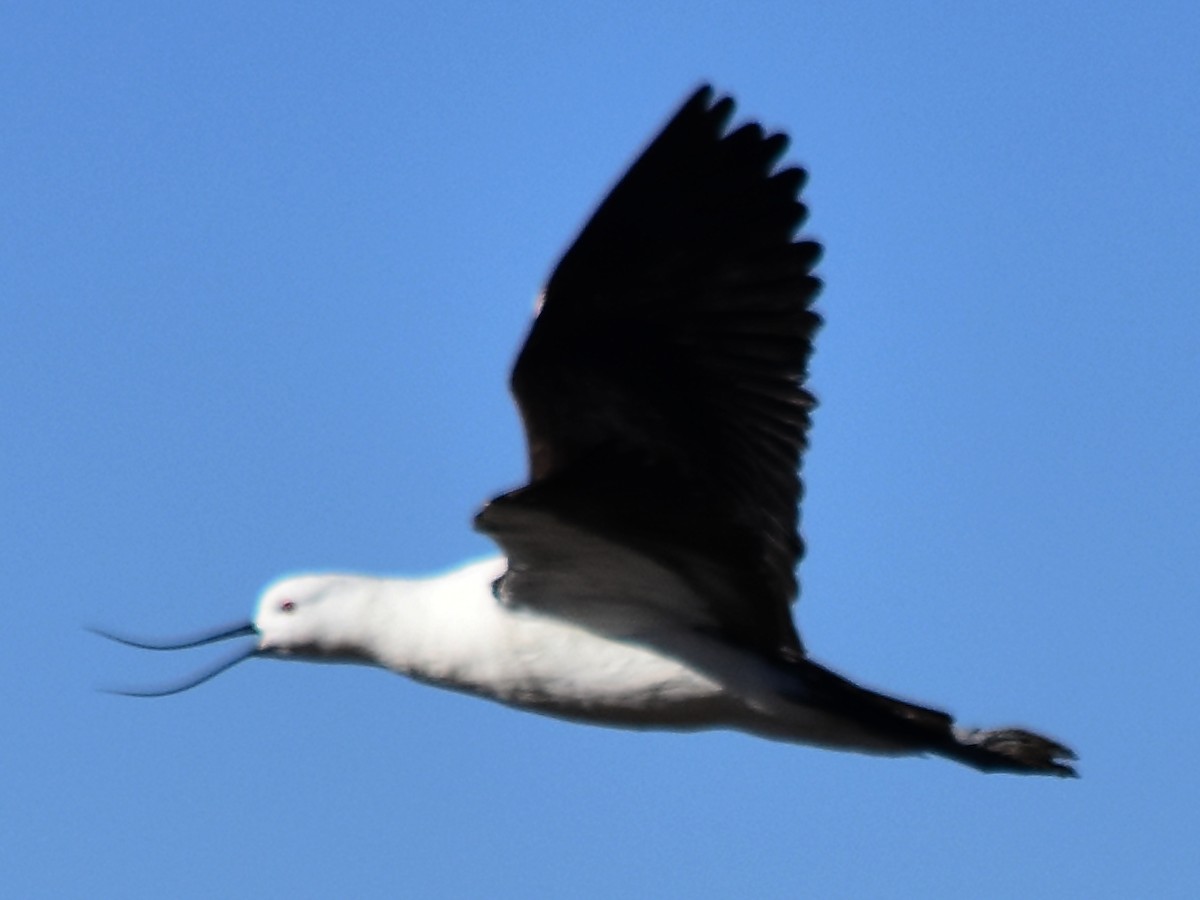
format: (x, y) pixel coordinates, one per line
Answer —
(1012, 750)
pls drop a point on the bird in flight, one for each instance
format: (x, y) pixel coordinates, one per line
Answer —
(649, 564)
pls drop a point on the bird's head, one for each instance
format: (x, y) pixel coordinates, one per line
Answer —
(310, 616)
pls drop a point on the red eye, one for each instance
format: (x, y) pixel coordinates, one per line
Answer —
(287, 606)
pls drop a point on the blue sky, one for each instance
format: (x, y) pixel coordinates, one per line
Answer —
(263, 269)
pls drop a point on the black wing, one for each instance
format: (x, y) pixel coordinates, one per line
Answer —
(662, 383)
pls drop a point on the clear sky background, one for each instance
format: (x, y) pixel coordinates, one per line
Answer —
(263, 269)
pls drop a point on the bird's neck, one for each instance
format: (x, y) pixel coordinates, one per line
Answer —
(438, 628)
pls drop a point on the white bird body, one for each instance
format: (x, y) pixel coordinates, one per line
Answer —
(449, 630)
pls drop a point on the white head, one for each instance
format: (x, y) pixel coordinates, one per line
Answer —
(314, 616)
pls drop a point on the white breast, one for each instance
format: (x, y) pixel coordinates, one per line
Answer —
(452, 631)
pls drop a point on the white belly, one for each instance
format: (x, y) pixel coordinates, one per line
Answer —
(559, 669)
